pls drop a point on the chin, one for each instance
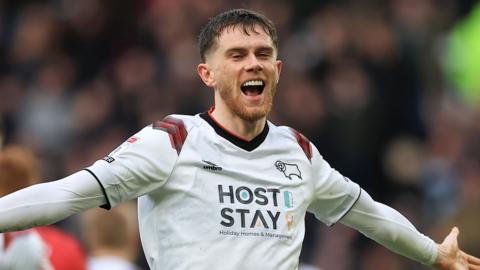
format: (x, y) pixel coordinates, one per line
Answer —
(253, 114)
(244, 111)
(252, 117)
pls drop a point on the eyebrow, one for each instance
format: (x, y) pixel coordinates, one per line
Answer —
(242, 50)
(235, 50)
(265, 49)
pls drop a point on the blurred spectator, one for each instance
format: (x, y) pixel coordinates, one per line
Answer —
(112, 238)
(44, 121)
(333, 247)
(34, 40)
(23, 250)
(445, 150)
(44, 248)
(301, 95)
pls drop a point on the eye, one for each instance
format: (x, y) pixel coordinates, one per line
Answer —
(236, 56)
(264, 55)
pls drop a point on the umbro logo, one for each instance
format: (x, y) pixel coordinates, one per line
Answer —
(211, 166)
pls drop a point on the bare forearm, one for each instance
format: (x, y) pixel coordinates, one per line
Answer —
(47, 203)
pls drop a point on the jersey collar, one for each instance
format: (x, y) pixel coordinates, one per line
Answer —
(231, 137)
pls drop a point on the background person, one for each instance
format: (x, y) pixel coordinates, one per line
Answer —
(112, 238)
(41, 248)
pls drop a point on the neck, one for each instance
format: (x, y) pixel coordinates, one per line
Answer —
(244, 129)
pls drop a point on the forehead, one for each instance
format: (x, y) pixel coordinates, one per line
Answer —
(240, 36)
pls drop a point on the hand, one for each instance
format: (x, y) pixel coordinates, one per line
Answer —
(450, 257)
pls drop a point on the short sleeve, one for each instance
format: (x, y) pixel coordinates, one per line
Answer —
(334, 194)
(141, 164)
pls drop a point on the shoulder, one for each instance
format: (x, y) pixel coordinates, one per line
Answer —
(285, 133)
(176, 126)
(177, 123)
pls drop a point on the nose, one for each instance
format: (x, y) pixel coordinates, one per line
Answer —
(253, 64)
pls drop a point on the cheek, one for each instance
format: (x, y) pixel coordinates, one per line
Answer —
(271, 69)
(228, 76)
(229, 72)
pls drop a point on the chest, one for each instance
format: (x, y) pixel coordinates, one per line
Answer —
(262, 189)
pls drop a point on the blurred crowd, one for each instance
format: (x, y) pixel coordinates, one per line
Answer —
(368, 82)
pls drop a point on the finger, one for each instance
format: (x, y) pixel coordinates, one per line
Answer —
(471, 259)
(473, 267)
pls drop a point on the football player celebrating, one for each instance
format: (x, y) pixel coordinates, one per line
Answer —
(227, 189)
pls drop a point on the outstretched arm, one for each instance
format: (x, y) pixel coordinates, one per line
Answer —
(50, 202)
(391, 229)
(388, 227)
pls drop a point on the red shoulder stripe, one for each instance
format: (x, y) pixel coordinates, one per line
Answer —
(175, 129)
(304, 144)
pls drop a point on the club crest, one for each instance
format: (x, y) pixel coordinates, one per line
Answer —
(289, 170)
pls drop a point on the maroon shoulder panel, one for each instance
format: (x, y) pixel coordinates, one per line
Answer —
(304, 144)
(175, 129)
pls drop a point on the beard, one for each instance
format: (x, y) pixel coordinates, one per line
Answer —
(243, 111)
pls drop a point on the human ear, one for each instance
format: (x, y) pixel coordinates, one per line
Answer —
(206, 74)
(278, 68)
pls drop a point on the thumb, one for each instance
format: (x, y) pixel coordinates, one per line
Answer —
(448, 252)
(451, 238)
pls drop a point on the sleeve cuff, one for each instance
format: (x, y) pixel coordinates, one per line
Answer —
(107, 206)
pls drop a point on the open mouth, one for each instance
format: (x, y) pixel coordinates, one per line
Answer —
(253, 87)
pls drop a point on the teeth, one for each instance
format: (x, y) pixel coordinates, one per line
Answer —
(253, 83)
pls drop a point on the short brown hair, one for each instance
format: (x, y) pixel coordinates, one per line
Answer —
(112, 231)
(19, 168)
(247, 19)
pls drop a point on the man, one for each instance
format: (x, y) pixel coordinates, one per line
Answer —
(226, 189)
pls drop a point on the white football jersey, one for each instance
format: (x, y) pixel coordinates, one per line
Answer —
(210, 200)
(24, 250)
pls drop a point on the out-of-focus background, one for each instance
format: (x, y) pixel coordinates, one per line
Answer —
(389, 92)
